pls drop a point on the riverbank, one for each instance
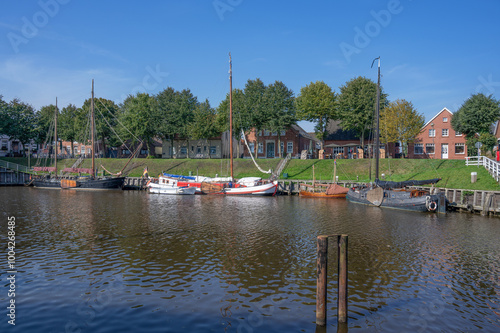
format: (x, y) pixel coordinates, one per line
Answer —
(454, 173)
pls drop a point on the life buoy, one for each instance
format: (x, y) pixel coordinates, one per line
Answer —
(432, 206)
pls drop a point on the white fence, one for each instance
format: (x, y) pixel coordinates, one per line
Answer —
(14, 166)
(493, 167)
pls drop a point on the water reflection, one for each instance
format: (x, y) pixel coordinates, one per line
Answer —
(131, 261)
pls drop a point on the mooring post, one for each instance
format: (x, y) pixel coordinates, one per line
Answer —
(322, 264)
(342, 283)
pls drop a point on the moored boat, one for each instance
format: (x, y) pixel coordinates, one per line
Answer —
(167, 185)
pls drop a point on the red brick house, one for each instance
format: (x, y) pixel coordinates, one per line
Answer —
(292, 141)
(438, 139)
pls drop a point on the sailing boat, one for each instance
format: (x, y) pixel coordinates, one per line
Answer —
(47, 181)
(394, 195)
(253, 186)
(92, 182)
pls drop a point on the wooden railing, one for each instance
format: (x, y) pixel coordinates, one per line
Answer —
(493, 167)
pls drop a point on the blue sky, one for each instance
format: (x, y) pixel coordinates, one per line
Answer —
(434, 53)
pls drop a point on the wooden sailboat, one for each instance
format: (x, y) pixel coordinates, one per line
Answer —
(394, 195)
(92, 182)
(332, 191)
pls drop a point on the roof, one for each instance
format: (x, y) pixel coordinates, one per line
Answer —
(303, 133)
(432, 119)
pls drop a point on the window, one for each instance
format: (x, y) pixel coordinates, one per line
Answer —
(432, 133)
(144, 151)
(458, 133)
(282, 147)
(429, 148)
(261, 148)
(445, 119)
(198, 150)
(289, 147)
(125, 152)
(275, 134)
(266, 132)
(252, 147)
(183, 151)
(445, 132)
(283, 133)
(459, 148)
(213, 150)
(419, 148)
(338, 150)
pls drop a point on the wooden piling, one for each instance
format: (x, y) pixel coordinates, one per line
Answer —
(321, 280)
(342, 283)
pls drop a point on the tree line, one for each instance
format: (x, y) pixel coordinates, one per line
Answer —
(173, 114)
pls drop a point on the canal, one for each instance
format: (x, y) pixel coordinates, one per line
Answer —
(135, 262)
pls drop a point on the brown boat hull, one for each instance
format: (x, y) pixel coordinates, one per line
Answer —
(322, 195)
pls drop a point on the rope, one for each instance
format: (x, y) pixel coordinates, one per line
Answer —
(119, 122)
(251, 155)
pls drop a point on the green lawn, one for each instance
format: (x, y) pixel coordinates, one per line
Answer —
(454, 173)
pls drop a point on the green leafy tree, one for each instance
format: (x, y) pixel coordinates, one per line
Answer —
(70, 122)
(316, 103)
(256, 113)
(204, 125)
(400, 121)
(356, 106)
(4, 119)
(44, 124)
(476, 115)
(487, 139)
(138, 114)
(241, 121)
(175, 111)
(106, 113)
(280, 103)
(21, 118)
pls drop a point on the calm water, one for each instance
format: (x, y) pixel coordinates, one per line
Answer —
(134, 262)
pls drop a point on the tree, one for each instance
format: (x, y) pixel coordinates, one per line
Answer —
(175, 111)
(280, 102)
(241, 121)
(138, 114)
(357, 105)
(204, 124)
(21, 117)
(255, 112)
(44, 124)
(4, 119)
(70, 122)
(316, 103)
(106, 112)
(474, 119)
(400, 121)
(476, 115)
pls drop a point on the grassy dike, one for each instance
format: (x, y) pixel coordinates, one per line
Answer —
(454, 173)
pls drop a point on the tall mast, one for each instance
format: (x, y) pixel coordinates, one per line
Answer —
(377, 121)
(92, 125)
(55, 138)
(231, 113)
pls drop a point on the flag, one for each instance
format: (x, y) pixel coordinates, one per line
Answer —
(145, 173)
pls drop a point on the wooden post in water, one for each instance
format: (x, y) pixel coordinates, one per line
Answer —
(321, 280)
(342, 283)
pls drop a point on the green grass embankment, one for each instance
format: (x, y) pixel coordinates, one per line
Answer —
(454, 173)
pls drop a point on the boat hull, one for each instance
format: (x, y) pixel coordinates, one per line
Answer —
(115, 183)
(47, 183)
(395, 199)
(259, 190)
(308, 194)
(172, 190)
